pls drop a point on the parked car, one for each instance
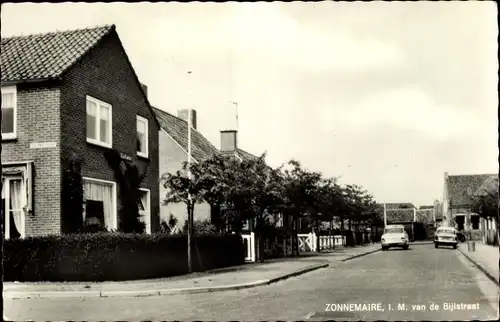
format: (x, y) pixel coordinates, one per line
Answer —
(395, 236)
(446, 236)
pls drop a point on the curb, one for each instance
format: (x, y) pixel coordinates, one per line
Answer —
(362, 254)
(481, 268)
(146, 293)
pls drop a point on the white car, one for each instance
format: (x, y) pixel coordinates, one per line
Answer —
(446, 236)
(395, 236)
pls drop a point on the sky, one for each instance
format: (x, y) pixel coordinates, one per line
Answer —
(385, 95)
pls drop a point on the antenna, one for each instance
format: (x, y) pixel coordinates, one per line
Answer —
(236, 107)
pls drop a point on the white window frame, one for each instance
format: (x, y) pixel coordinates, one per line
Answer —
(100, 103)
(113, 193)
(148, 207)
(146, 136)
(6, 187)
(11, 90)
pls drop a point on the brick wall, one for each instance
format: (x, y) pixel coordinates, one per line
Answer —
(172, 157)
(38, 120)
(105, 74)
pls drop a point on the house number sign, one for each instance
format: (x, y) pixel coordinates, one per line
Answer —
(43, 145)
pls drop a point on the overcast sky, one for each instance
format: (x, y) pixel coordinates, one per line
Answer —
(388, 95)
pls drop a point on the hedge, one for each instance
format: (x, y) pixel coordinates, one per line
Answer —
(115, 256)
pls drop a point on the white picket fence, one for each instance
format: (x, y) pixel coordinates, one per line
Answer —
(308, 242)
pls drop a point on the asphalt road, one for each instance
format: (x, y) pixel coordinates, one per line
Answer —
(415, 278)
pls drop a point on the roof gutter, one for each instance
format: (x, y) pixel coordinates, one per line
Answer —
(30, 81)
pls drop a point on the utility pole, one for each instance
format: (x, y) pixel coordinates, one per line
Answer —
(190, 210)
(385, 215)
(413, 224)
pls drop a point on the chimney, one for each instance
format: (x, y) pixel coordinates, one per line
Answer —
(446, 175)
(145, 89)
(183, 114)
(228, 140)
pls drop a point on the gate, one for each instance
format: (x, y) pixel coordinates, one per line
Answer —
(249, 242)
(308, 242)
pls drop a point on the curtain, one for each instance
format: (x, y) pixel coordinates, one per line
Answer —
(16, 201)
(145, 212)
(101, 192)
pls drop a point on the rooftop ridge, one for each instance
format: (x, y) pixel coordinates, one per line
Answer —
(180, 119)
(57, 32)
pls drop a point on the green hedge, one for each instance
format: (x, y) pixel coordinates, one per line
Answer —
(115, 256)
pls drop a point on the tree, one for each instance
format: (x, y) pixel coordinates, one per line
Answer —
(260, 193)
(201, 227)
(485, 202)
(185, 186)
(220, 173)
(298, 190)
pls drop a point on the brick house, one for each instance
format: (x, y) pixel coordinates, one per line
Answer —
(173, 152)
(66, 95)
(458, 198)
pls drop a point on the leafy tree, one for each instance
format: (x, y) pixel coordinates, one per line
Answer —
(221, 174)
(184, 189)
(485, 202)
(201, 227)
(298, 190)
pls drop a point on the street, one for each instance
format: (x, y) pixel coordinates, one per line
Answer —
(418, 279)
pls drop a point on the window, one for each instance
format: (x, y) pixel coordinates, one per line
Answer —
(9, 112)
(142, 136)
(144, 208)
(13, 203)
(99, 122)
(393, 230)
(99, 203)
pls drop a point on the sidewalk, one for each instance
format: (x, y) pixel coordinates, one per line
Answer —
(232, 278)
(485, 257)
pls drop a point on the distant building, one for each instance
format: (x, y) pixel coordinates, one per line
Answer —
(458, 198)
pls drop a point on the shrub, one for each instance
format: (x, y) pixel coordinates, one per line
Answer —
(115, 256)
(201, 227)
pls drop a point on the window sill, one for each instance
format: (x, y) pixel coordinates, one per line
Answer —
(100, 144)
(9, 137)
(143, 156)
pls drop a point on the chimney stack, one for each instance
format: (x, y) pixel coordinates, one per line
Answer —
(145, 89)
(183, 114)
(228, 140)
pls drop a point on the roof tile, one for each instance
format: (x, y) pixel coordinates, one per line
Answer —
(48, 55)
(461, 188)
(178, 129)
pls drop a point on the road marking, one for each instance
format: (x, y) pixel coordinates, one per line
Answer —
(487, 287)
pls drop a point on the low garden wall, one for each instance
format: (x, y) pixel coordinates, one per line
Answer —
(115, 256)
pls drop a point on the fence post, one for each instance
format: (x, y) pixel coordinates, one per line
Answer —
(252, 245)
